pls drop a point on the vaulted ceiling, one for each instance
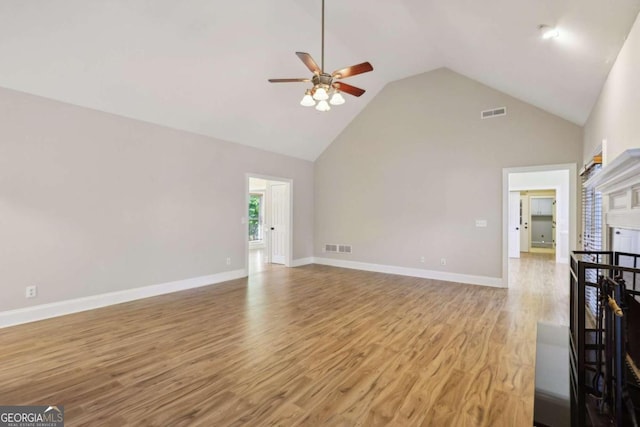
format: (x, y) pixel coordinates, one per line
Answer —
(202, 66)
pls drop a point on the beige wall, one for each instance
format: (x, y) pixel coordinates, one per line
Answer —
(409, 176)
(616, 115)
(93, 203)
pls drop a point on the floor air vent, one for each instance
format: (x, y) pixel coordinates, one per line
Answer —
(496, 112)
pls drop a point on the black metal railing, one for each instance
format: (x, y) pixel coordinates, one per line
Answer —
(598, 335)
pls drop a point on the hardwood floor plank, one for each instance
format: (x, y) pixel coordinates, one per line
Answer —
(444, 411)
(477, 399)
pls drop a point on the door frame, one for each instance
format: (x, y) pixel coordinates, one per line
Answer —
(288, 261)
(573, 207)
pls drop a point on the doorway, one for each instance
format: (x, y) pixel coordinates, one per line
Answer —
(539, 202)
(269, 231)
(541, 221)
(532, 222)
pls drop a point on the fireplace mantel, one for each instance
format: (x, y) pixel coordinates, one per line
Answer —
(619, 183)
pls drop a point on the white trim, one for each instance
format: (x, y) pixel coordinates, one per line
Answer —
(619, 175)
(302, 261)
(413, 272)
(61, 308)
(623, 220)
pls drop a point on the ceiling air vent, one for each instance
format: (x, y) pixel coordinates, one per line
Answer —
(331, 248)
(496, 112)
(344, 249)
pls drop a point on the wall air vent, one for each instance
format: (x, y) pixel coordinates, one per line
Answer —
(337, 249)
(331, 248)
(344, 249)
(496, 112)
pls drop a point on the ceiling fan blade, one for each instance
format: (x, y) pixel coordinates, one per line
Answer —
(365, 67)
(351, 90)
(288, 80)
(309, 62)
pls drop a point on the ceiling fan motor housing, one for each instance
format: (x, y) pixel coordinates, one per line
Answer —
(323, 79)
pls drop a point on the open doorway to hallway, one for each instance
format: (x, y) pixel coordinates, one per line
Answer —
(539, 212)
(535, 222)
(269, 230)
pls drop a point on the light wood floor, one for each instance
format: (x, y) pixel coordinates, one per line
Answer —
(307, 346)
(257, 262)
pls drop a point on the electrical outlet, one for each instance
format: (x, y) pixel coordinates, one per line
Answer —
(229, 261)
(31, 291)
(422, 259)
(443, 261)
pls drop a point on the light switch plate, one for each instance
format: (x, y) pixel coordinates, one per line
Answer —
(481, 222)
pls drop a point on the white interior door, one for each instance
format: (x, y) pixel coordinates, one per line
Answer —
(279, 228)
(524, 224)
(514, 224)
(624, 240)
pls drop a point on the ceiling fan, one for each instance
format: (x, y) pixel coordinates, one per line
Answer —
(325, 84)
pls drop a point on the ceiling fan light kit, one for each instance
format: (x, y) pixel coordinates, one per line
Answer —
(326, 86)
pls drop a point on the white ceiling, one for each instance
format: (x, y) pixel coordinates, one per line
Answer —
(202, 66)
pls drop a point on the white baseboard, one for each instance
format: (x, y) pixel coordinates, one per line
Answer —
(414, 272)
(55, 309)
(302, 261)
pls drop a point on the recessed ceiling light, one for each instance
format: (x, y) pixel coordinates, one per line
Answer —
(548, 32)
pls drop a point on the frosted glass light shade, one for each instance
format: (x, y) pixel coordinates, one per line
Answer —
(320, 94)
(323, 106)
(307, 100)
(337, 99)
